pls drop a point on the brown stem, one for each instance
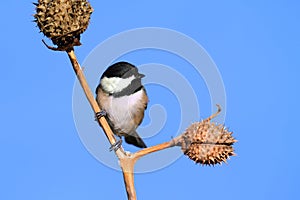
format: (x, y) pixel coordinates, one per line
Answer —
(129, 184)
(159, 147)
(215, 114)
(127, 165)
(89, 95)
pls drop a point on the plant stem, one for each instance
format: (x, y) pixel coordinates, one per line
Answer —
(89, 95)
(127, 165)
(174, 142)
(129, 184)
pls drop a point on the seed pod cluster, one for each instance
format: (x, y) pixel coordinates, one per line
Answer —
(207, 143)
(63, 20)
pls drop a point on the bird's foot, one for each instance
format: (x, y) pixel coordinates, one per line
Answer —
(116, 145)
(100, 114)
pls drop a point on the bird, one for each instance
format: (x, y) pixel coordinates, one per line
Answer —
(123, 100)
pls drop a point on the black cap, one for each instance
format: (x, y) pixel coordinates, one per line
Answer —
(121, 70)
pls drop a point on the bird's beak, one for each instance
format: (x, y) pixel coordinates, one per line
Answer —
(141, 76)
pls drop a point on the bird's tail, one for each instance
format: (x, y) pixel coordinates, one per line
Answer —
(135, 140)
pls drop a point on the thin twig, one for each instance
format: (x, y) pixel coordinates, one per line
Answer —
(89, 95)
(215, 114)
(127, 165)
(159, 147)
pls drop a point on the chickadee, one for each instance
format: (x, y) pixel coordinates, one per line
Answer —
(122, 96)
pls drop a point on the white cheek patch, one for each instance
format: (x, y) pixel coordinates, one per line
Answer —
(116, 84)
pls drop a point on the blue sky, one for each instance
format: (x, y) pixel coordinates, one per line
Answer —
(255, 46)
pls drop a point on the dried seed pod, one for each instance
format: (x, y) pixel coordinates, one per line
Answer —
(63, 20)
(207, 143)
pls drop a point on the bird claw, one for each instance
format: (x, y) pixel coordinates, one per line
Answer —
(100, 114)
(116, 145)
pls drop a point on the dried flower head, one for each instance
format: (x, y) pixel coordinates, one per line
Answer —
(207, 143)
(63, 20)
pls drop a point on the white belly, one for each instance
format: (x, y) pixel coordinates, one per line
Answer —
(121, 111)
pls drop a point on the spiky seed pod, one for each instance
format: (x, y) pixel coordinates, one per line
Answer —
(63, 20)
(207, 143)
